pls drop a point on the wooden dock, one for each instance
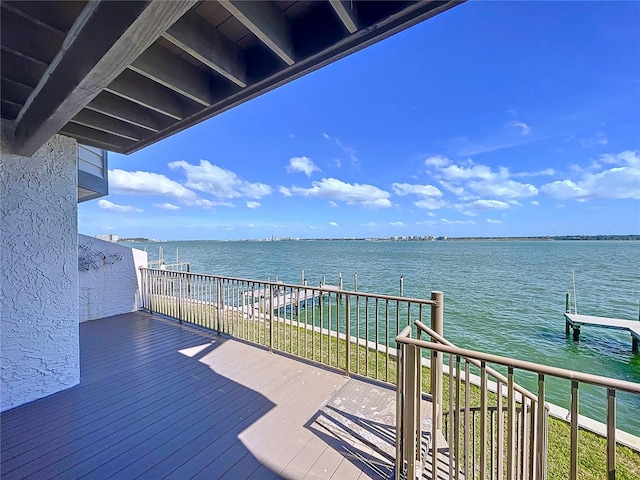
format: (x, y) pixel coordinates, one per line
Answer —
(575, 321)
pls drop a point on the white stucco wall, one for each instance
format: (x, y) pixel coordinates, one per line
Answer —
(109, 278)
(39, 344)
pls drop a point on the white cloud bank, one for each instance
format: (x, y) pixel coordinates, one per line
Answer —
(219, 182)
(621, 181)
(302, 164)
(153, 184)
(333, 189)
(113, 207)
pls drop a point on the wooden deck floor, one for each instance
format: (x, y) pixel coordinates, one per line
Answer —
(160, 400)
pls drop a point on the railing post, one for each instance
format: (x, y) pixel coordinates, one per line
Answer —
(412, 402)
(180, 298)
(437, 324)
(218, 305)
(271, 318)
(348, 335)
(400, 380)
(611, 434)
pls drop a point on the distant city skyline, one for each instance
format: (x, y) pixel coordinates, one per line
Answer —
(490, 120)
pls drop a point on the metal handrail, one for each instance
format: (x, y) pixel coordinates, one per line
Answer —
(518, 463)
(524, 365)
(322, 288)
(520, 389)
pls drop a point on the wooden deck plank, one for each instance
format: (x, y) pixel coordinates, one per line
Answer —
(110, 460)
(282, 381)
(284, 395)
(158, 399)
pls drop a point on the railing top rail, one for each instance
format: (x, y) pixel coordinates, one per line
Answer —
(498, 375)
(323, 289)
(524, 365)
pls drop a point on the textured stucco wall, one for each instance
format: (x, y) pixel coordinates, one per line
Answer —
(39, 344)
(109, 278)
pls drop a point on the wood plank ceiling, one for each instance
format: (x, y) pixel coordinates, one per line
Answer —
(123, 75)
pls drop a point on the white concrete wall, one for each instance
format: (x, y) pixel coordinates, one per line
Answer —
(109, 278)
(39, 344)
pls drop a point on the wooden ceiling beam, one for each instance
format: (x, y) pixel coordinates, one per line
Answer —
(267, 22)
(202, 41)
(107, 124)
(162, 66)
(346, 11)
(143, 91)
(127, 111)
(96, 138)
(104, 40)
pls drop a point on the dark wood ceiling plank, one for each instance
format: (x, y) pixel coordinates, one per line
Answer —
(267, 22)
(149, 94)
(107, 124)
(96, 138)
(30, 39)
(58, 15)
(9, 110)
(345, 10)
(127, 111)
(160, 65)
(14, 92)
(103, 41)
(201, 40)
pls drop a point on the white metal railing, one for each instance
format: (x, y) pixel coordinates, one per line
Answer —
(515, 445)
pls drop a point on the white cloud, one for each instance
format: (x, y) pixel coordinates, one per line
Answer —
(481, 205)
(350, 151)
(430, 204)
(547, 172)
(166, 206)
(622, 181)
(218, 181)
(471, 209)
(285, 191)
(468, 179)
(253, 204)
(535, 203)
(437, 161)
(523, 128)
(155, 184)
(332, 204)
(397, 224)
(350, 193)
(493, 220)
(457, 222)
(421, 190)
(147, 183)
(302, 164)
(333, 224)
(113, 207)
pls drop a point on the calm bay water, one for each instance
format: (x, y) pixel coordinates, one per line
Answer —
(502, 297)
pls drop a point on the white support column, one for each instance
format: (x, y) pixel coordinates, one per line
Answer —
(39, 348)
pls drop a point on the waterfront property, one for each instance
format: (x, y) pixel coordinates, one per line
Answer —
(135, 395)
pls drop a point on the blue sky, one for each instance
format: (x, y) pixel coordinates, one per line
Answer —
(492, 119)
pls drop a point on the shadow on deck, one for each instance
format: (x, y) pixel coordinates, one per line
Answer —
(163, 400)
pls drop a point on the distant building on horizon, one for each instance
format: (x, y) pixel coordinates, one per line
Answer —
(108, 237)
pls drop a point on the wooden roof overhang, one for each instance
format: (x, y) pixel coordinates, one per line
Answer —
(123, 75)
